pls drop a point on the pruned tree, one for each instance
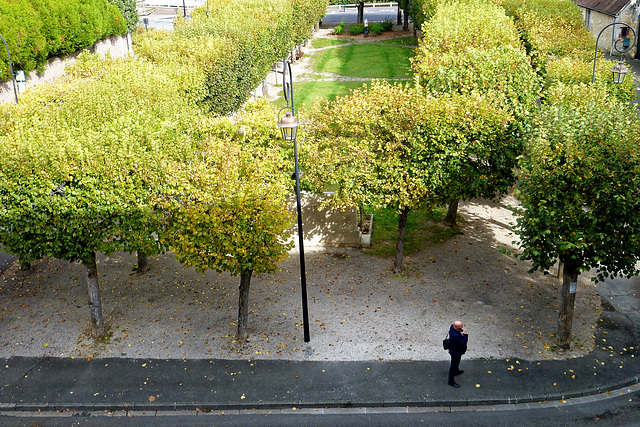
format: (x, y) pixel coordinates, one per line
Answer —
(393, 147)
(81, 159)
(228, 211)
(473, 49)
(579, 191)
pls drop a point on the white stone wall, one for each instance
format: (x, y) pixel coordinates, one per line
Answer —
(117, 47)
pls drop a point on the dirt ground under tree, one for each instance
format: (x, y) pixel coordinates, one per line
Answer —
(359, 310)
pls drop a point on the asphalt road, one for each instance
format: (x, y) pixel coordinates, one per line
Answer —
(332, 18)
(377, 14)
(618, 409)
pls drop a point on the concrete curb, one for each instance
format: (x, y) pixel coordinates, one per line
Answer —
(264, 405)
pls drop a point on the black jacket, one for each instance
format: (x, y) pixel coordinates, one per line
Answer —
(457, 342)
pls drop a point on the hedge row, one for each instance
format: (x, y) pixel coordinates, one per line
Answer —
(471, 46)
(88, 164)
(36, 30)
(560, 45)
(234, 46)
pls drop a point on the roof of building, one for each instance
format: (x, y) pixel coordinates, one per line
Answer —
(608, 7)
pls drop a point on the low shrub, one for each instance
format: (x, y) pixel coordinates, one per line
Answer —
(375, 29)
(338, 30)
(356, 29)
(387, 25)
(36, 30)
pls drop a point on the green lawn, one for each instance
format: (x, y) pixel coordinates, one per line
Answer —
(421, 231)
(305, 93)
(322, 42)
(368, 60)
(404, 41)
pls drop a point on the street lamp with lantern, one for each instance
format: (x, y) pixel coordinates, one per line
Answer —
(289, 126)
(619, 70)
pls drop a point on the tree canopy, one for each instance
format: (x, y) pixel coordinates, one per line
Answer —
(578, 190)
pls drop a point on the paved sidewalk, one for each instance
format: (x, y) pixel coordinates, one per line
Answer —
(33, 384)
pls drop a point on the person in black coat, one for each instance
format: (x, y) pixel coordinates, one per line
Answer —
(457, 347)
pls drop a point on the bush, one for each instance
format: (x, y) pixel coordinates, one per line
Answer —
(339, 29)
(129, 12)
(387, 25)
(375, 29)
(27, 48)
(574, 71)
(458, 25)
(356, 29)
(36, 30)
(234, 47)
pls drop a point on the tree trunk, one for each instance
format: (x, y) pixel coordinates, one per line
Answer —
(402, 225)
(452, 213)
(565, 321)
(25, 266)
(560, 269)
(399, 21)
(143, 263)
(243, 304)
(93, 288)
(360, 19)
(406, 21)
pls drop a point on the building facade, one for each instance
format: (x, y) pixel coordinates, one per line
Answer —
(598, 14)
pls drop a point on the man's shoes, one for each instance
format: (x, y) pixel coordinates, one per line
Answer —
(460, 372)
(454, 385)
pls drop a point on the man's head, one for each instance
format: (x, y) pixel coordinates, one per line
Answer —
(458, 326)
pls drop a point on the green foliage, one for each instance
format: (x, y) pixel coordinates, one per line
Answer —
(129, 12)
(235, 46)
(460, 25)
(89, 165)
(390, 146)
(387, 25)
(560, 46)
(375, 29)
(549, 29)
(356, 29)
(472, 47)
(338, 30)
(570, 70)
(36, 30)
(21, 27)
(235, 218)
(579, 184)
(100, 150)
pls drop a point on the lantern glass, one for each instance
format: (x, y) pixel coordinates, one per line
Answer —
(289, 126)
(619, 73)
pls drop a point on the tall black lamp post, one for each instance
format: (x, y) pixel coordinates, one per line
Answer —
(619, 71)
(13, 80)
(289, 126)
